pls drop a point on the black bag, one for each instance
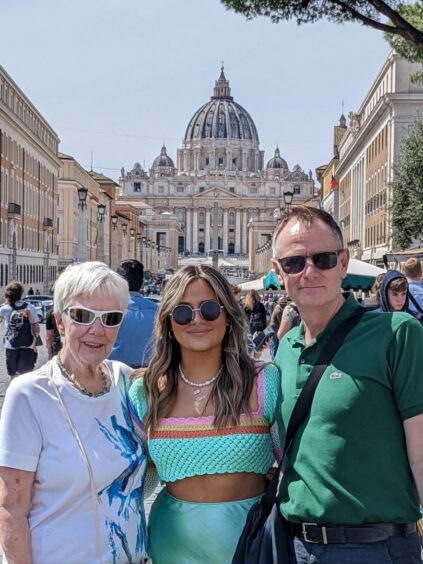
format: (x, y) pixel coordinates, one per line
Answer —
(419, 313)
(19, 331)
(266, 537)
(256, 319)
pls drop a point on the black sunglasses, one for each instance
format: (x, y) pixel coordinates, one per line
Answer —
(322, 261)
(183, 314)
(85, 316)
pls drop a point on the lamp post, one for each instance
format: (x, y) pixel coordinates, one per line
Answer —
(82, 224)
(215, 244)
(124, 241)
(132, 243)
(139, 242)
(101, 212)
(288, 197)
(113, 249)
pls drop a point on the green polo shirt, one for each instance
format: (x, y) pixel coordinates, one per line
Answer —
(348, 462)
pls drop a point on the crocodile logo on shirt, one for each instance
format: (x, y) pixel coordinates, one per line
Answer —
(335, 375)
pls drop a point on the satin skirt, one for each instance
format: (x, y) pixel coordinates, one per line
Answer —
(183, 532)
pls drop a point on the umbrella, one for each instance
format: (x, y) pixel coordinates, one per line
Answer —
(360, 275)
(271, 282)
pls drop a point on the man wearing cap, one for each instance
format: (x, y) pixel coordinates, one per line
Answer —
(353, 476)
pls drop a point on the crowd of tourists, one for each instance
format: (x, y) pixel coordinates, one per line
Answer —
(137, 393)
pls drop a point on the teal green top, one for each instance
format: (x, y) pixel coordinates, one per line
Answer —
(348, 464)
(193, 446)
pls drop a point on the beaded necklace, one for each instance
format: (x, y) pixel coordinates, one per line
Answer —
(71, 378)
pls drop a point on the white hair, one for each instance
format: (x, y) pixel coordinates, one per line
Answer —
(84, 279)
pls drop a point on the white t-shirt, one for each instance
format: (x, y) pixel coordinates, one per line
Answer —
(35, 436)
(6, 310)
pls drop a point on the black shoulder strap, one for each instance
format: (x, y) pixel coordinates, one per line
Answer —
(305, 399)
(414, 302)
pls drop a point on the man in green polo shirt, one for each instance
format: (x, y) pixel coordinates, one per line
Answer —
(354, 474)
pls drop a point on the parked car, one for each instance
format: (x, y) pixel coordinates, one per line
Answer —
(42, 304)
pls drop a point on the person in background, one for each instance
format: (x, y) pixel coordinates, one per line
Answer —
(22, 329)
(133, 345)
(53, 339)
(275, 322)
(255, 311)
(37, 292)
(353, 476)
(71, 469)
(413, 273)
(392, 291)
(207, 408)
(30, 291)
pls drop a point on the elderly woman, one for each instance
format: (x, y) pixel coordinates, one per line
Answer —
(207, 409)
(71, 471)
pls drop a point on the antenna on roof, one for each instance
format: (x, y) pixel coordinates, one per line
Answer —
(91, 159)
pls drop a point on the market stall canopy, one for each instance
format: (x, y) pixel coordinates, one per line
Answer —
(252, 285)
(360, 275)
(271, 282)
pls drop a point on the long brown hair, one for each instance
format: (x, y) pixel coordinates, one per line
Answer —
(232, 390)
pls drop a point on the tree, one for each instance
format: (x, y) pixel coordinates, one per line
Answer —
(407, 188)
(413, 13)
(369, 13)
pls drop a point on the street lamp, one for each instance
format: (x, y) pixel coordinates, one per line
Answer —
(124, 228)
(101, 212)
(288, 197)
(82, 195)
(82, 227)
(132, 232)
(114, 219)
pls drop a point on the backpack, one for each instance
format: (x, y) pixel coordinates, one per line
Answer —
(19, 331)
(256, 320)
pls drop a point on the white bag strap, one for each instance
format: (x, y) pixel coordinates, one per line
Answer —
(87, 462)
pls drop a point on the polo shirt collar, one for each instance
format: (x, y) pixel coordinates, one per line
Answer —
(349, 307)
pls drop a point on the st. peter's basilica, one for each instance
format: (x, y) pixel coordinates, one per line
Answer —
(220, 161)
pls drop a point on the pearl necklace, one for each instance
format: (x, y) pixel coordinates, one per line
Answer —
(199, 385)
(71, 378)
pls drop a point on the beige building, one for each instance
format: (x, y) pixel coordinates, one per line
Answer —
(367, 154)
(220, 165)
(29, 169)
(77, 223)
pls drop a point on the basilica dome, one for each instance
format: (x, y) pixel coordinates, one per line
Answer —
(277, 161)
(221, 117)
(163, 160)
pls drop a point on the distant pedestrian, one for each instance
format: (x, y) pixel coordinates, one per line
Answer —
(255, 311)
(37, 292)
(53, 339)
(22, 328)
(30, 291)
(413, 273)
(133, 345)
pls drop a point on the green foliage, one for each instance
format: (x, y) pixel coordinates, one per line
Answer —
(389, 16)
(413, 13)
(407, 188)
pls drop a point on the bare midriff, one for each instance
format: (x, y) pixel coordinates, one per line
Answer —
(218, 488)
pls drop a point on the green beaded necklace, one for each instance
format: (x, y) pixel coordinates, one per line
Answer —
(71, 378)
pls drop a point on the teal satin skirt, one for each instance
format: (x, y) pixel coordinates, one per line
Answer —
(183, 532)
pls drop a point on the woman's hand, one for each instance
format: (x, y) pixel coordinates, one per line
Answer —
(15, 502)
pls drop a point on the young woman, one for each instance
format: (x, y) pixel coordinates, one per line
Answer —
(207, 410)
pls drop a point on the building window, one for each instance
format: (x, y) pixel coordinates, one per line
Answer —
(220, 163)
(234, 163)
(272, 191)
(161, 189)
(232, 218)
(297, 189)
(253, 190)
(232, 190)
(137, 186)
(180, 189)
(201, 218)
(207, 161)
(201, 189)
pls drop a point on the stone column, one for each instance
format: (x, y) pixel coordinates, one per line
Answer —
(244, 231)
(207, 232)
(188, 230)
(225, 232)
(195, 231)
(82, 234)
(238, 231)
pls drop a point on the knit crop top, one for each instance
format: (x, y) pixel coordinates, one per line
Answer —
(193, 446)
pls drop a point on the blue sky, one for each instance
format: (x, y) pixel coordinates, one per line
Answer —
(119, 77)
